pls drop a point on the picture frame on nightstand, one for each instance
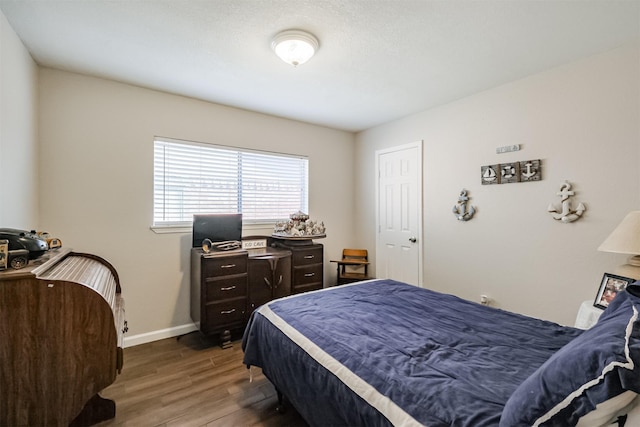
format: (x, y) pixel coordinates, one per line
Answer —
(609, 287)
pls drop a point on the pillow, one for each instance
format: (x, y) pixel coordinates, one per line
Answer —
(598, 365)
(633, 416)
(606, 412)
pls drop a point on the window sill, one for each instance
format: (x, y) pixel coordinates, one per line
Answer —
(168, 229)
(173, 229)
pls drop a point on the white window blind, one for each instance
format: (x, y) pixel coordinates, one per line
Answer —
(192, 178)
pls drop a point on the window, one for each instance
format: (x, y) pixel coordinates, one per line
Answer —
(192, 178)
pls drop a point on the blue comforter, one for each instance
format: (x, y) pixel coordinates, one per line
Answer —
(384, 352)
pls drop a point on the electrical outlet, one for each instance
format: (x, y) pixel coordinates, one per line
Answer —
(484, 300)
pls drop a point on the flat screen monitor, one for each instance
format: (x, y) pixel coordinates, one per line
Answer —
(216, 227)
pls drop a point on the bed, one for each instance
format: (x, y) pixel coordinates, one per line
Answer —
(381, 353)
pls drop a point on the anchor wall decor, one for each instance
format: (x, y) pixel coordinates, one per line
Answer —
(460, 210)
(566, 214)
(505, 173)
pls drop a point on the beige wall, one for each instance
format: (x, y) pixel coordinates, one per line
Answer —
(582, 120)
(96, 147)
(18, 132)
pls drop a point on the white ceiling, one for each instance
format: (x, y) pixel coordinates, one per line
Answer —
(379, 60)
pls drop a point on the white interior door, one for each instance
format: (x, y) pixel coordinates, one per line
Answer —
(399, 218)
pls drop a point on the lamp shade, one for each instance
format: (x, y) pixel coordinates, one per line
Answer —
(625, 239)
(295, 47)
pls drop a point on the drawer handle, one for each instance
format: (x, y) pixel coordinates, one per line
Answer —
(267, 282)
(309, 274)
(228, 266)
(309, 257)
(279, 281)
(228, 288)
(228, 311)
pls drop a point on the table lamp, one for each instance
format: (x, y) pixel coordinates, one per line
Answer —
(625, 239)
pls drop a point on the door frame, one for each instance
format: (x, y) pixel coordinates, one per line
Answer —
(417, 144)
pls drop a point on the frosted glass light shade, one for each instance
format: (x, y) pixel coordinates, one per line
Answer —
(295, 47)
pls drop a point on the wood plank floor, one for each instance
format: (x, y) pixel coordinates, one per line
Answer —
(193, 382)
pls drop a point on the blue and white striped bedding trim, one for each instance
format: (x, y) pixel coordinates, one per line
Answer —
(383, 404)
(628, 364)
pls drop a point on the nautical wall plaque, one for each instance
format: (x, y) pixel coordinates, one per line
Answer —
(508, 149)
(490, 174)
(530, 171)
(509, 172)
(566, 214)
(506, 173)
(460, 210)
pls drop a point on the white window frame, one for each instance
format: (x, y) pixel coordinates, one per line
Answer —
(200, 175)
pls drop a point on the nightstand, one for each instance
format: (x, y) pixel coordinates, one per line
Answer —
(588, 315)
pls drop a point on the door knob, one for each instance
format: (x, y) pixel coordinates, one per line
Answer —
(413, 239)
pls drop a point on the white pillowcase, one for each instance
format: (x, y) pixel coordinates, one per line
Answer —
(608, 411)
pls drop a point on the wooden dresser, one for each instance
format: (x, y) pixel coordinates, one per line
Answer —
(219, 290)
(61, 327)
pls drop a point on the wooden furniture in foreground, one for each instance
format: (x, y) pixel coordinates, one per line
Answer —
(353, 267)
(61, 328)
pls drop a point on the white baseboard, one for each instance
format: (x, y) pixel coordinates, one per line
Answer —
(158, 335)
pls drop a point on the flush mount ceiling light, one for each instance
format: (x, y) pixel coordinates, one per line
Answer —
(295, 47)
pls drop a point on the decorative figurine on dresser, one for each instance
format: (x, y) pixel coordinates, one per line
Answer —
(62, 324)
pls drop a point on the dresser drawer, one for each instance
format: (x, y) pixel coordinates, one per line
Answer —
(221, 289)
(306, 287)
(224, 265)
(307, 274)
(313, 255)
(226, 312)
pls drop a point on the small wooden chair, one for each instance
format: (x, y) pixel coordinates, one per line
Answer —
(353, 266)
